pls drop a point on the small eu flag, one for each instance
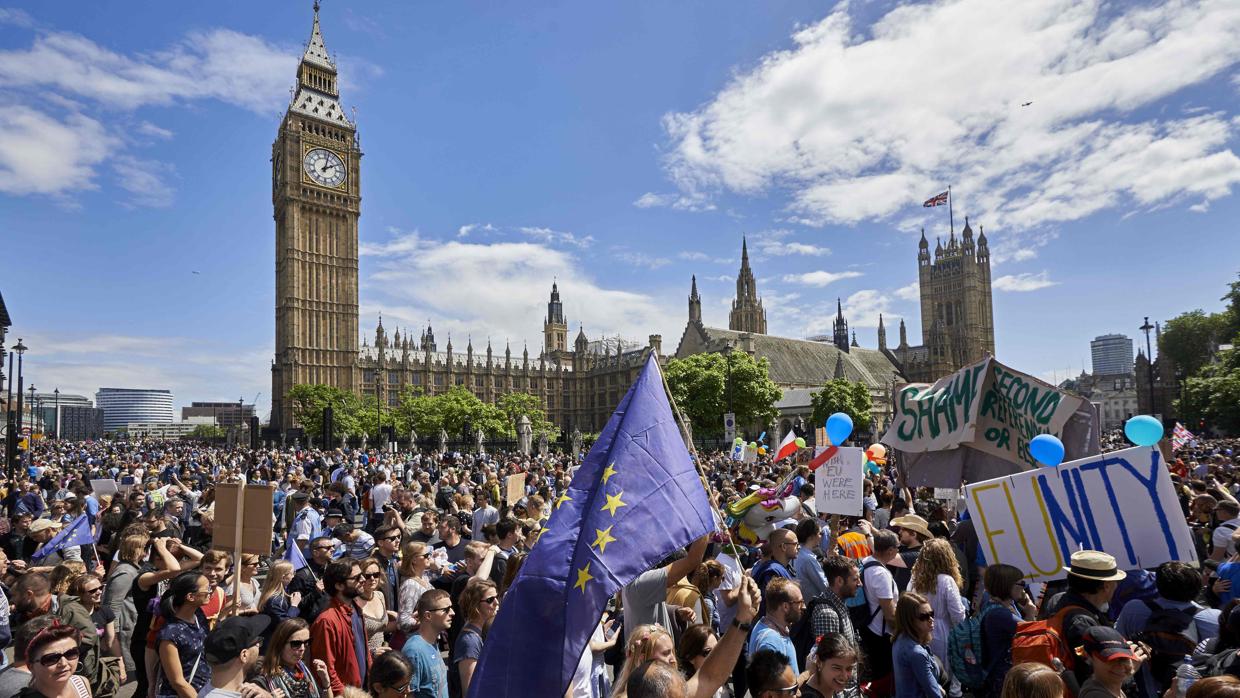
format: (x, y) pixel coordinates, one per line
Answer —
(76, 533)
(292, 553)
(635, 499)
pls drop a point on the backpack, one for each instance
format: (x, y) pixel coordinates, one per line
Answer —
(1222, 664)
(1042, 641)
(964, 649)
(802, 634)
(860, 614)
(102, 673)
(1171, 634)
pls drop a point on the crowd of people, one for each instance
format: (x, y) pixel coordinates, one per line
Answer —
(403, 561)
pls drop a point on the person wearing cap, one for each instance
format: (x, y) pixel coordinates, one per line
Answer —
(1092, 579)
(306, 521)
(232, 650)
(308, 581)
(913, 532)
(1113, 660)
(42, 531)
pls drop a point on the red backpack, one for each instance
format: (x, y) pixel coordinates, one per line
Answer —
(1042, 641)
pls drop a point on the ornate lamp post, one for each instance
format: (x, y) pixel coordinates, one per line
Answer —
(56, 424)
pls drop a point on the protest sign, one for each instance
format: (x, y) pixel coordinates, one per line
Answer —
(1121, 503)
(838, 483)
(514, 488)
(244, 527)
(104, 487)
(986, 406)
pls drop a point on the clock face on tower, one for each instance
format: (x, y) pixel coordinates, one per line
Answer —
(324, 167)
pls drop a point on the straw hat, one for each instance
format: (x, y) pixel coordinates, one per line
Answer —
(43, 524)
(914, 523)
(1091, 564)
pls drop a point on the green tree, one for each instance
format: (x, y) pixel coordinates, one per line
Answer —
(309, 401)
(699, 384)
(840, 395)
(1189, 339)
(207, 431)
(1213, 394)
(515, 404)
(1231, 320)
(451, 411)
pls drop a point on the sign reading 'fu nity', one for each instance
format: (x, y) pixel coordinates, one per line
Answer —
(986, 406)
(1121, 503)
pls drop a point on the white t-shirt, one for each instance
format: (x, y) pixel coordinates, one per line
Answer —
(732, 574)
(379, 495)
(879, 584)
(1222, 535)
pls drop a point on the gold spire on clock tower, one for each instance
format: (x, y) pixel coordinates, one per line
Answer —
(316, 198)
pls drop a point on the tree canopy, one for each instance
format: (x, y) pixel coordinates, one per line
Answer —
(841, 395)
(309, 401)
(699, 384)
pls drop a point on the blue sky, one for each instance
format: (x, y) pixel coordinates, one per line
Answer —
(619, 147)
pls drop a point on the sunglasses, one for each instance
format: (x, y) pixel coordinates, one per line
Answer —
(373, 575)
(95, 590)
(490, 600)
(928, 615)
(324, 547)
(298, 644)
(404, 690)
(390, 538)
(437, 610)
(51, 660)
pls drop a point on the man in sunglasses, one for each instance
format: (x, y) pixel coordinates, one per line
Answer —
(430, 674)
(338, 635)
(308, 581)
(771, 675)
(232, 650)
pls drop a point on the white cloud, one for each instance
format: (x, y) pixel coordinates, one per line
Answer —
(858, 123)
(679, 202)
(820, 278)
(145, 180)
(557, 237)
(1023, 282)
(502, 288)
(861, 310)
(911, 292)
(466, 230)
(42, 154)
(16, 17)
(694, 256)
(776, 243)
(147, 128)
(643, 260)
(1021, 246)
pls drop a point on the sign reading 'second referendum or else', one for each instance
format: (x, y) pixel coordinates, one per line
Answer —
(986, 406)
(1121, 503)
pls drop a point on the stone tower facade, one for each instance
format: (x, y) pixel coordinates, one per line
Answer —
(555, 329)
(957, 315)
(839, 328)
(316, 197)
(747, 314)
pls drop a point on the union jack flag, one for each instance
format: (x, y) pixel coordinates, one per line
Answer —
(1180, 436)
(937, 200)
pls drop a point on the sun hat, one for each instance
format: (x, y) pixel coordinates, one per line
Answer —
(914, 523)
(1092, 564)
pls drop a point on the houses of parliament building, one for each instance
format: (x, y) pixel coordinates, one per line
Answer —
(316, 201)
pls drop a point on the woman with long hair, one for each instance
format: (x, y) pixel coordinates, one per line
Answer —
(936, 576)
(372, 604)
(389, 676)
(645, 643)
(1009, 605)
(697, 592)
(511, 570)
(275, 601)
(415, 559)
(284, 666)
(249, 591)
(88, 588)
(63, 574)
(52, 659)
(479, 603)
(917, 671)
(832, 669)
(1032, 680)
(696, 644)
(183, 672)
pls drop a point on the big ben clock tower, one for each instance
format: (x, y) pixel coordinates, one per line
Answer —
(316, 194)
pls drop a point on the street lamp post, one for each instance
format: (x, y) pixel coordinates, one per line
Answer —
(1149, 359)
(32, 407)
(56, 424)
(21, 350)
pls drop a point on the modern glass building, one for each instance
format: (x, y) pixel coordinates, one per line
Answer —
(1112, 355)
(124, 405)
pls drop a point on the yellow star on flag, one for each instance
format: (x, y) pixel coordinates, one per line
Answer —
(563, 498)
(603, 537)
(614, 503)
(608, 472)
(583, 576)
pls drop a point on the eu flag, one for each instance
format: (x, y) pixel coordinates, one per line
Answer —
(77, 533)
(635, 499)
(292, 553)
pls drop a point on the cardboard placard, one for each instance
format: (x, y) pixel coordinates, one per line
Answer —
(838, 483)
(1121, 503)
(514, 488)
(104, 487)
(256, 524)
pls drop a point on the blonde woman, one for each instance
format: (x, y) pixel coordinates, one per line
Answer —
(62, 576)
(249, 591)
(936, 576)
(647, 642)
(415, 559)
(275, 601)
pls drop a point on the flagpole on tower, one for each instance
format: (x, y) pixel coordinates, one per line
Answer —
(951, 219)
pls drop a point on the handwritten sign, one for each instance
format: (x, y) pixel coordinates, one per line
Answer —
(838, 483)
(1121, 503)
(986, 406)
(514, 488)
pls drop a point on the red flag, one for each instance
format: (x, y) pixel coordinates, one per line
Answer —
(787, 447)
(937, 200)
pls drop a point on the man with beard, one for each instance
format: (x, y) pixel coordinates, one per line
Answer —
(338, 636)
(784, 606)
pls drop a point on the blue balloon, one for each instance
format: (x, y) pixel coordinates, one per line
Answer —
(1143, 430)
(839, 428)
(1046, 449)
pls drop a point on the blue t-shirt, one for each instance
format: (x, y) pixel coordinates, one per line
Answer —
(764, 637)
(1229, 571)
(468, 645)
(430, 675)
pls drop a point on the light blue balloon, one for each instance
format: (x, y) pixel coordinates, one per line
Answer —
(839, 428)
(1143, 430)
(1046, 449)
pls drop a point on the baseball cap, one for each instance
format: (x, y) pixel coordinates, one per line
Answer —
(232, 635)
(1106, 643)
(43, 524)
(334, 511)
